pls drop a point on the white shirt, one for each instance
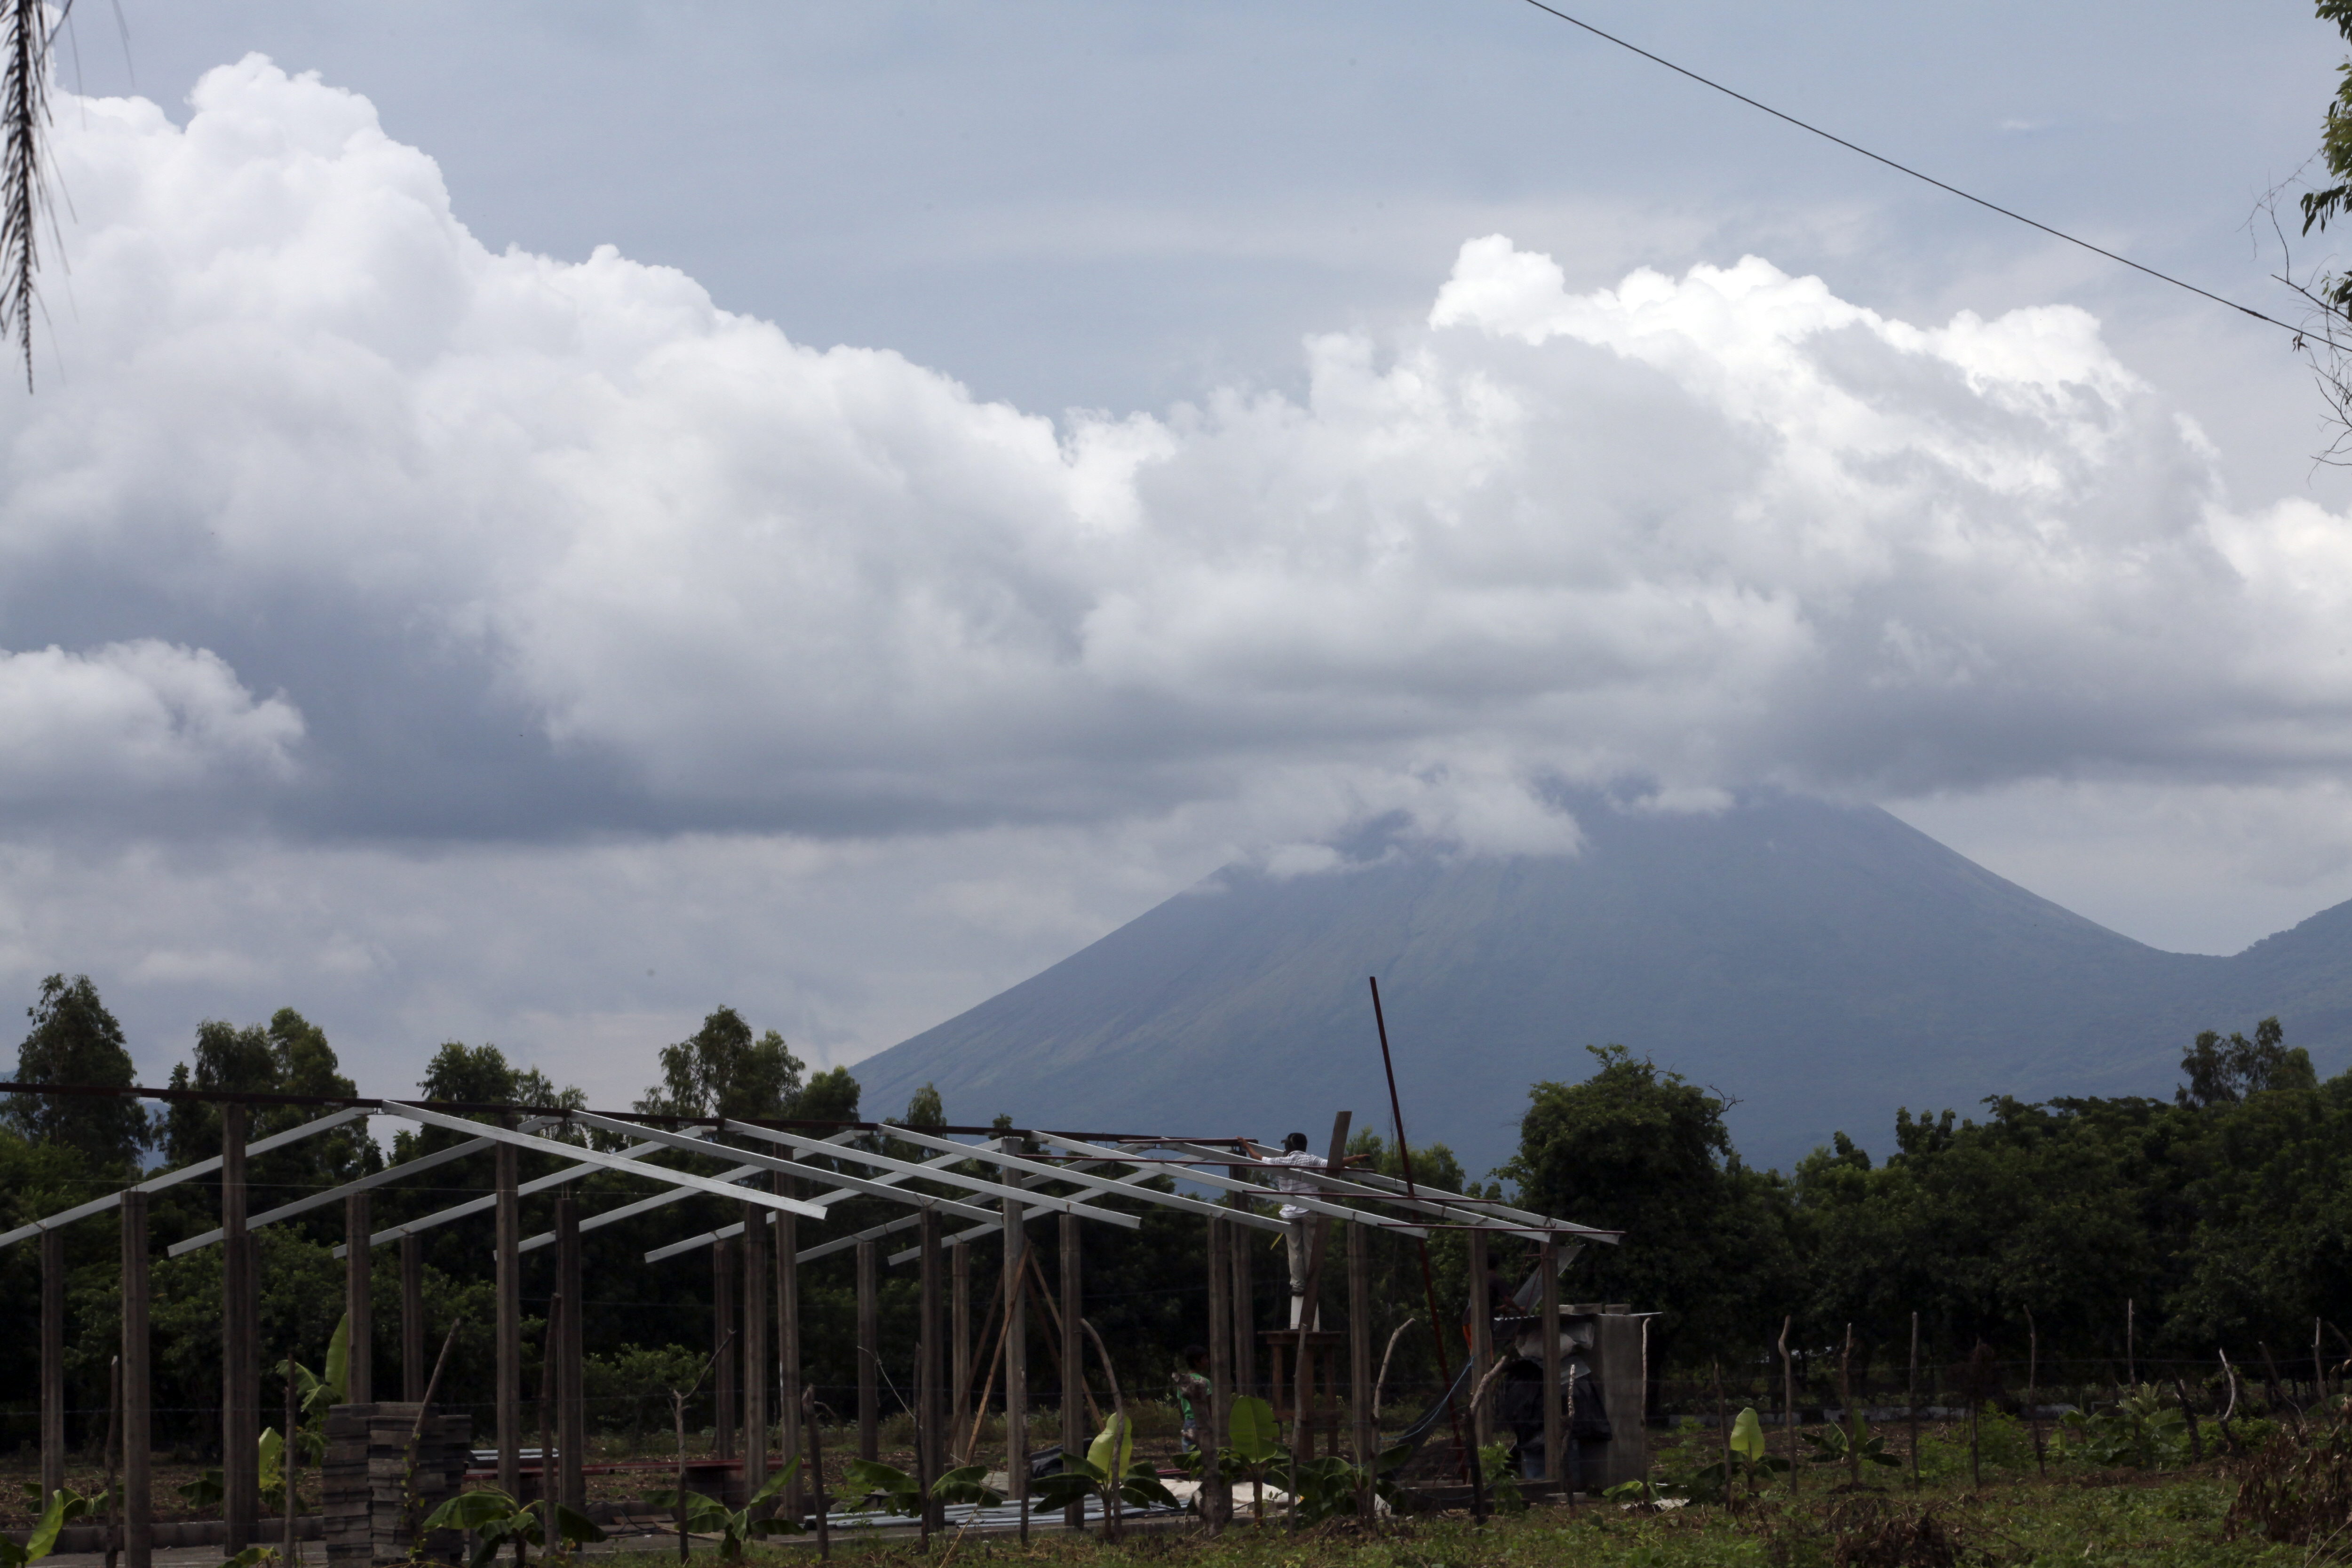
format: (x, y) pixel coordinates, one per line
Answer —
(1288, 1184)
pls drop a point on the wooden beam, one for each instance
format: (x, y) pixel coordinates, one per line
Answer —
(1074, 1364)
(757, 1364)
(240, 1346)
(1016, 1350)
(1555, 1468)
(1244, 1304)
(727, 1345)
(788, 1343)
(1366, 1437)
(138, 1397)
(571, 1384)
(931, 1445)
(1482, 1343)
(869, 1347)
(52, 1365)
(508, 1395)
(1218, 1500)
(960, 1414)
(411, 1320)
(359, 1357)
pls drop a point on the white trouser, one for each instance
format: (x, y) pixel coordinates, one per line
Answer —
(1299, 1241)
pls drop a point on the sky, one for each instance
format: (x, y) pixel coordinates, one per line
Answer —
(535, 520)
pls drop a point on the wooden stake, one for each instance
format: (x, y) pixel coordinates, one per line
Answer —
(138, 1435)
(1789, 1402)
(959, 1311)
(815, 1470)
(1073, 1362)
(52, 1365)
(1852, 1416)
(1367, 1433)
(1017, 1346)
(2131, 1338)
(240, 1354)
(869, 1337)
(2188, 1413)
(289, 1468)
(1913, 1411)
(413, 1371)
(1723, 1432)
(2033, 1395)
(505, 1162)
(359, 1303)
(571, 1382)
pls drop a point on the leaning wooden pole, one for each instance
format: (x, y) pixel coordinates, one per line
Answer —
(505, 1163)
(1016, 1347)
(1073, 1362)
(571, 1381)
(240, 1352)
(359, 1356)
(869, 1349)
(52, 1365)
(138, 1399)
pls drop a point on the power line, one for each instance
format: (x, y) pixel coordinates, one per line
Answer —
(1906, 168)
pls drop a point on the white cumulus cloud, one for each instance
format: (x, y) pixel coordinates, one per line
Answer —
(133, 719)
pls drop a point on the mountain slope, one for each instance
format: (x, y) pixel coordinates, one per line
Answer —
(1820, 965)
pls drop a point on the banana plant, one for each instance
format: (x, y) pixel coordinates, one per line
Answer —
(1256, 1446)
(1108, 1470)
(1849, 1444)
(888, 1487)
(497, 1519)
(65, 1506)
(1752, 1459)
(736, 1528)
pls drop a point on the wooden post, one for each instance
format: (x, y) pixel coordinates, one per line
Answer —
(358, 1358)
(960, 1417)
(1482, 1343)
(571, 1382)
(290, 1469)
(240, 1354)
(788, 1346)
(1074, 1362)
(756, 1363)
(727, 1376)
(506, 1162)
(1245, 1299)
(1367, 1435)
(1016, 1347)
(413, 1369)
(1219, 1503)
(53, 1366)
(1555, 1437)
(138, 1435)
(1914, 1401)
(930, 1447)
(869, 1346)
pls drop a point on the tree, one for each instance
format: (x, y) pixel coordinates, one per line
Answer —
(2223, 1072)
(924, 1108)
(722, 1071)
(2326, 334)
(829, 1097)
(74, 1039)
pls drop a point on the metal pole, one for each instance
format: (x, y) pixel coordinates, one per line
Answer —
(138, 1436)
(869, 1347)
(504, 1162)
(1074, 1364)
(52, 1365)
(571, 1382)
(1016, 1349)
(359, 1357)
(240, 1355)
(413, 1369)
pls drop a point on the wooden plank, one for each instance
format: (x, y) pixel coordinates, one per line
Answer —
(1218, 1434)
(930, 1441)
(757, 1365)
(1074, 1364)
(240, 1346)
(1482, 1341)
(1017, 1350)
(869, 1334)
(358, 1358)
(960, 1337)
(505, 1162)
(788, 1341)
(138, 1397)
